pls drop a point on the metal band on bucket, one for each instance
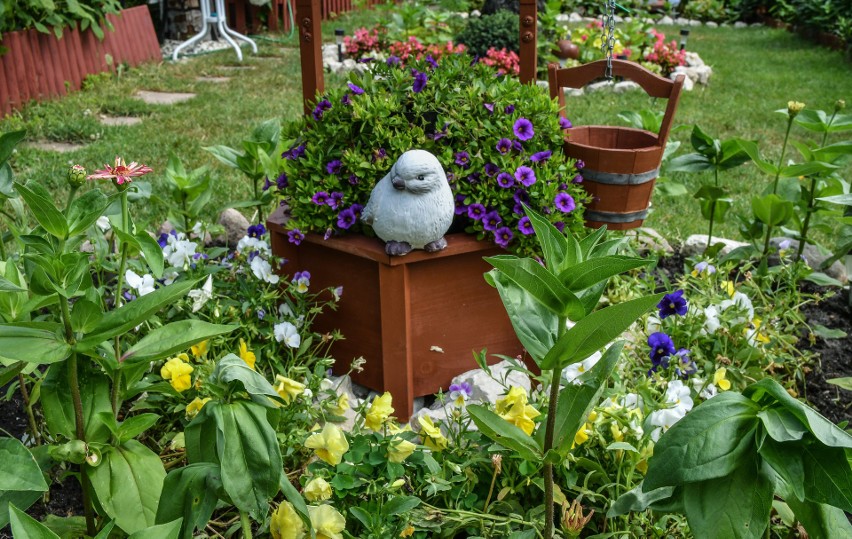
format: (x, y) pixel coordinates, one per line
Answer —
(619, 179)
(614, 217)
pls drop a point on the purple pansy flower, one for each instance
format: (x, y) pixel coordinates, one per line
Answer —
(564, 202)
(502, 236)
(357, 90)
(505, 180)
(431, 61)
(489, 107)
(261, 314)
(523, 129)
(476, 211)
(266, 183)
(459, 393)
(564, 122)
(504, 145)
(295, 236)
(525, 176)
(346, 219)
(491, 169)
(673, 303)
(491, 220)
(320, 198)
(661, 346)
(462, 159)
(256, 231)
(420, 80)
(685, 366)
(541, 156)
(509, 109)
(333, 166)
(525, 226)
(163, 240)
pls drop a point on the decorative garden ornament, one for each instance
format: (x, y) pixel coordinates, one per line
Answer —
(412, 207)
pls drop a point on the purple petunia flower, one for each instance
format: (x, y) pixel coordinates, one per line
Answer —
(580, 164)
(518, 209)
(346, 219)
(521, 196)
(564, 122)
(661, 346)
(673, 303)
(523, 129)
(256, 231)
(266, 183)
(281, 181)
(295, 236)
(346, 100)
(461, 208)
(491, 220)
(353, 179)
(357, 90)
(491, 169)
(517, 146)
(525, 226)
(541, 156)
(560, 226)
(509, 109)
(334, 200)
(462, 159)
(502, 236)
(379, 154)
(476, 211)
(393, 60)
(564, 202)
(320, 109)
(489, 107)
(357, 209)
(525, 176)
(577, 179)
(294, 153)
(333, 166)
(431, 61)
(505, 180)
(320, 198)
(473, 178)
(504, 145)
(420, 80)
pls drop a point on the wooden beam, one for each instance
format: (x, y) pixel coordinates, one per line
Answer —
(309, 20)
(528, 26)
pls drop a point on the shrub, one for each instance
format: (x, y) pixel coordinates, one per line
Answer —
(498, 31)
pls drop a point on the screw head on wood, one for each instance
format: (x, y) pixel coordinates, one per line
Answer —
(528, 21)
(306, 21)
(307, 36)
(527, 37)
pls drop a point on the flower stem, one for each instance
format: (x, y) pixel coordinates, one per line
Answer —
(490, 491)
(70, 199)
(245, 523)
(125, 223)
(25, 394)
(809, 210)
(550, 426)
(781, 158)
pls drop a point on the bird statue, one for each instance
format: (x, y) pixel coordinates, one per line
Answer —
(412, 207)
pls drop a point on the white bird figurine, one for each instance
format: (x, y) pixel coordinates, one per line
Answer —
(412, 207)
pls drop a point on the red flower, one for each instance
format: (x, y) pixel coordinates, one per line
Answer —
(121, 172)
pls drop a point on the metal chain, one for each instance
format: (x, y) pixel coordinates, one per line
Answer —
(608, 41)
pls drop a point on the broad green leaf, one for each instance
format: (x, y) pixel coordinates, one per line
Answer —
(59, 409)
(702, 142)
(828, 333)
(33, 342)
(153, 253)
(200, 436)
(400, 504)
(593, 271)
(821, 520)
(845, 200)
(691, 162)
(785, 458)
(19, 470)
(106, 530)
(553, 243)
(296, 499)
(190, 494)
(828, 475)
(504, 433)
(134, 313)
(128, 484)
(771, 209)
(734, 506)
(807, 169)
(533, 323)
(26, 527)
(716, 210)
(732, 155)
(586, 246)
(781, 424)
(249, 455)
(845, 383)
(224, 154)
(710, 192)
(824, 430)
(8, 286)
(832, 152)
(45, 212)
(711, 441)
(172, 338)
(638, 500)
(231, 368)
(750, 148)
(820, 278)
(591, 333)
(539, 282)
(134, 426)
(8, 141)
(85, 315)
(85, 210)
(169, 530)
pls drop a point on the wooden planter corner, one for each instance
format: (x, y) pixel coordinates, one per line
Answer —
(416, 319)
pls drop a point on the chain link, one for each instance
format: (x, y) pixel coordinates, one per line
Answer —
(608, 41)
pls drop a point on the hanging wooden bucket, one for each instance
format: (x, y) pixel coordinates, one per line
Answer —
(620, 164)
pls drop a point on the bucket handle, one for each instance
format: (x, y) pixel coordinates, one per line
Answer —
(653, 85)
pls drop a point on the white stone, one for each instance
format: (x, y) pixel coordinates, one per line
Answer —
(696, 244)
(695, 23)
(163, 98)
(119, 120)
(52, 146)
(618, 19)
(329, 52)
(649, 240)
(575, 17)
(688, 85)
(542, 84)
(625, 86)
(681, 21)
(666, 21)
(214, 80)
(598, 86)
(476, 13)
(711, 24)
(756, 24)
(236, 226)
(693, 60)
(574, 92)
(740, 24)
(341, 385)
(486, 388)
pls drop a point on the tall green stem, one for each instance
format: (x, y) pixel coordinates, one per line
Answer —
(125, 224)
(781, 159)
(811, 195)
(550, 426)
(71, 194)
(25, 394)
(245, 523)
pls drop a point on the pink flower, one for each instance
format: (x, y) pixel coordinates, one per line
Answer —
(121, 172)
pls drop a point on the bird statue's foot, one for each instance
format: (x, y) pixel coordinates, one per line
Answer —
(397, 248)
(437, 245)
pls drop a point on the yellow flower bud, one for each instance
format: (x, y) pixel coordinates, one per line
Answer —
(839, 105)
(318, 490)
(76, 175)
(794, 108)
(432, 436)
(399, 450)
(397, 484)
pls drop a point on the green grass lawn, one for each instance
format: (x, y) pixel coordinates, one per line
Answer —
(756, 71)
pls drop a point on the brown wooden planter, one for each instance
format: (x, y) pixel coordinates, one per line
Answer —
(38, 66)
(621, 164)
(417, 319)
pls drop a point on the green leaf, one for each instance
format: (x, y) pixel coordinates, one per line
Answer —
(85, 210)
(821, 279)
(638, 500)
(716, 210)
(201, 436)
(26, 527)
(224, 154)
(711, 441)
(750, 148)
(232, 368)
(45, 212)
(828, 475)
(845, 199)
(828, 333)
(710, 192)
(172, 338)
(128, 484)
(128, 316)
(553, 243)
(296, 499)
(504, 433)
(807, 169)
(190, 494)
(781, 424)
(596, 270)
(533, 323)
(7, 183)
(33, 342)
(824, 430)
(248, 452)
(19, 470)
(153, 253)
(691, 162)
(785, 458)
(732, 506)
(732, 155)
(8, 141)
(596, 330)
(170, 530)
(8, 286)
(771, 209)
(134, 426)
(821, 520)
(59, 409)
(400, 504)
(85, 315)
(584, 248)
(539, 282)
(845, 383)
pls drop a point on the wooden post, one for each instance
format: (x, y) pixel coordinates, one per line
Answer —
(310, 49)
(528, 56)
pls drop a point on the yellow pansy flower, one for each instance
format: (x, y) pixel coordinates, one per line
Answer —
(288, 388)
(728, 286)
(582, 434)
(195, 406)
(394, 428)
(318, 490)
(329, 444)
(342, 405)
(246, 354)
(407, 532)
(720, 381)
(379, 412)
(177, 371)
(200, 350)
(400, 449)
(758, 335)
(514, 409)
(432, 436)
(327, 522)
(285, 523)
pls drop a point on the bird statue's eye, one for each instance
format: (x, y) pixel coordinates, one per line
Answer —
(421, 177)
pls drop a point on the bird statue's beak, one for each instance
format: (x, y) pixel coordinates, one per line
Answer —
(398, 183)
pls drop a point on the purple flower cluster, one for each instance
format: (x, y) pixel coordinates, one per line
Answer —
(420, 80)
(320, 109)
(294, 153)
(256, 231)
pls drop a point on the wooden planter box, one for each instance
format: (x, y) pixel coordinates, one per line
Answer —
(38, 66)
(416, 319)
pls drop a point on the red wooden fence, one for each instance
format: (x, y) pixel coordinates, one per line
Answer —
(39, 66)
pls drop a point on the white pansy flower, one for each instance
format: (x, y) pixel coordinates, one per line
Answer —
(169, 276)
(285, 311)
(711, 319)
(741, 303)
(288, 334)
(707, 392)
(142, 285)
(678, 394)
(248, 244)
(198, 229)
(178, 250)
(103, 223)
(263, 270)
(202, 295)
(572, 372)
(663, 420)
